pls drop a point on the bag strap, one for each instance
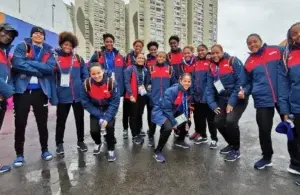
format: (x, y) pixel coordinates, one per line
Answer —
(110, 84)
(27, 49)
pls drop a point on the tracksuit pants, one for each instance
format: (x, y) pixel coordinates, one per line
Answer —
(126, 113)
(294, 145)
(22, 102)
(136, 115)
(62, 113)
(3, 107)
(228, 124)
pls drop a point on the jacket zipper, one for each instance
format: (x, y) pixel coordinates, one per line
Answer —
(270, 83)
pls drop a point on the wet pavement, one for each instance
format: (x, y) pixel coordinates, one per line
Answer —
(198, 170)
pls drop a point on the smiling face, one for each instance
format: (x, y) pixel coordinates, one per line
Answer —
(153, 50)
(188, 54)
(202, 51)
(6, 36)
(109, 43)
(186, 81)
(140, 59)
(216, 54)
(138, 47)
(161, 57)
(295, 33)
(96, 73)
(38, 38)
(174, 44)
(254, 43)
(67, 47)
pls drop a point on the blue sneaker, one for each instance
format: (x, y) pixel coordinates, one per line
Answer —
(111, 156)
(233, 155)
(298, 182)
(4, 168)
(159, 157)
(226, 150)
(294, 169)
(19, 161)
(46, 156)
(262, 163)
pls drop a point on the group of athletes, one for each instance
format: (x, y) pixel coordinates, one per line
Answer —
(212, 87)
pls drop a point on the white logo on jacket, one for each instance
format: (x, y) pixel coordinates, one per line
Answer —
(273, 52)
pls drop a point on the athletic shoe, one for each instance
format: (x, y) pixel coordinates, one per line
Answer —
(176, 132)
(46, 155)
(159, 157)
(213, 144)
(19, 161)
(151, 142)
(125, 134)
(233, 155)
(187, 134)
(111, 156)
(142, 133)
(97, 149)
(200, 140)
(194, 136)
(294, 169)
(226, 150)
(82, 146)
(298, 182)
(182, 144)
(138, 140)
(262, 163)
(60, 149)
(4, 168)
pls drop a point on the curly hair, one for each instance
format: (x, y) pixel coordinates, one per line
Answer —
(68, 36)
(152, 43)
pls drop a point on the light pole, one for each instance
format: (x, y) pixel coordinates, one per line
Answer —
(53, 7)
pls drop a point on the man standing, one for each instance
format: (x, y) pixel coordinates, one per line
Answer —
(33, 66)
(7, 36)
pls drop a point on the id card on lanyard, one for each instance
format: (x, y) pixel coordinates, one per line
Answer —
(217, 82)
(107, 67)
(65, 77)
(183, 117)
(142, 89)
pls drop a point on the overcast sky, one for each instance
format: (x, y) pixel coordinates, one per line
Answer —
(238, 18)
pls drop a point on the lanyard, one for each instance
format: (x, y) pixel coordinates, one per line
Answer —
(191, 61)
(71, 67)
(185, 105)
(143, 74)
(217, 73)
(106, 63)
(7, 65)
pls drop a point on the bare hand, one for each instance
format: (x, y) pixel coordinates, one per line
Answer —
(229, 108)
(241, 94)
(149, 88)
(217, 110)
(104, 124)
(286, 117)
(132, 99)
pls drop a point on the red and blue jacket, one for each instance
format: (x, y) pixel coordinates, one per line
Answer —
(130, 58)
(262, 74)
(99, 101)
(174, 103)
(188, 67)
(289, 84)
(132, 82)
(162, 77)
(119, 66)
(74, 66)
(232, 78)
(6, 87)
(175, 59)
(24, 66)
(200, 80)
(151, 61)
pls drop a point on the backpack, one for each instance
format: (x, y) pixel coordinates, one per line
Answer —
(110, 84)
(170, 68)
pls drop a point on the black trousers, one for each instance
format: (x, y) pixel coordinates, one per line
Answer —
(96, 132)
(203, 113)
(136, 115)
(165, 132)
(294, 145)
(22, 102)
(126, 113)
(152, 126)
(3, 106)
(228, 124)
(264, 119)
(62, 113)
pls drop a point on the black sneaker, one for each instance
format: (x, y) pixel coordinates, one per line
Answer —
(125, 134)
(82, 147)
(60, 149)
(138, 140)
(97, 149)
(182, 144)
(151, 142)
(200, 140)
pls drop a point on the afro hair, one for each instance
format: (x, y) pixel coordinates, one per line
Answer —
(68, 36)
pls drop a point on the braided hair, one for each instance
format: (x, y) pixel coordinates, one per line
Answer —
(289, 44)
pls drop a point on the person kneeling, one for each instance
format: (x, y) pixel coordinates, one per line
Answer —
(101, 99)
(173, 113)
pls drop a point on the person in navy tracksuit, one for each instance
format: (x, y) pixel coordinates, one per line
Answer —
(175, 55)
(225, 80)
(152, 47)
(70, 73)
(101, 98)
(131, 60)
(162, 77)
(289, 91)
(33, 64)
(174, 104)
(202, 112)
(137, 80)
(7, 36)
(262, 72)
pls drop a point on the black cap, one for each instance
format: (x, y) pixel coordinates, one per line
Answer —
(9, 27)
(37, 29)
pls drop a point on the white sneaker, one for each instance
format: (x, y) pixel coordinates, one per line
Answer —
(97, 149)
